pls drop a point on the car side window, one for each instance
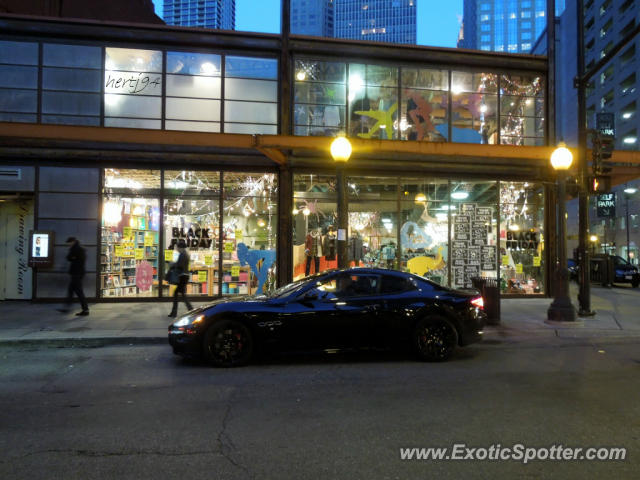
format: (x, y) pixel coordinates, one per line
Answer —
(391, 284)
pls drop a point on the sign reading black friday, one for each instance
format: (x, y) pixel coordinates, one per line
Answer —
(194, 237)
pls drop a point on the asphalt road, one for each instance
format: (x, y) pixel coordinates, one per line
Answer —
(139, 412)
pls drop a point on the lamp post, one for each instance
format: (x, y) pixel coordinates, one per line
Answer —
(594, 239)
(341, 151)
(561, 309)
(627, 193)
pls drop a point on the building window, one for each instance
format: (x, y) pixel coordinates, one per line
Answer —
(18, 81)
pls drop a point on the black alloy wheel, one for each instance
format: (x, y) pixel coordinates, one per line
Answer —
(228, 343)
(435, 339)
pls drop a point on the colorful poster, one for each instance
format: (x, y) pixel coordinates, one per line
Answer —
(144, 275)
(235, 271)
(536, 261)
(139, 253)
(202, 276)
(168, 255)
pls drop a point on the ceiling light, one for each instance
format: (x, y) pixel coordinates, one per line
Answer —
(459, 195)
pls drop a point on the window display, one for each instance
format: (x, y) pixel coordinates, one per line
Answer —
(521, 238)
(250, 211)
(314, 224)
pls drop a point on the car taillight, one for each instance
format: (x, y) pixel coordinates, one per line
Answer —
(478, 302)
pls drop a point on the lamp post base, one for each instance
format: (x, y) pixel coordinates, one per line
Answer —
(561, 310)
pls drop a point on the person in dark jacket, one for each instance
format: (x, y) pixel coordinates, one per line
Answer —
(77, 258)
(182, 266)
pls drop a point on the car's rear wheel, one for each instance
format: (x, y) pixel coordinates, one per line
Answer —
(228, 343)
(434, 339)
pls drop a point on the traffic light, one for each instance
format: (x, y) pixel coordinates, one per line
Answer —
(599, 184)
(596, 153)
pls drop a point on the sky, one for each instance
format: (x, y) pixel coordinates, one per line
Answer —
(438, 20)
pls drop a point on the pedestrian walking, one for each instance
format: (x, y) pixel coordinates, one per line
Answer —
(77, 258)
(181, 267)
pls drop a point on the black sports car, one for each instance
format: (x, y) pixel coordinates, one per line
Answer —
(359, 307)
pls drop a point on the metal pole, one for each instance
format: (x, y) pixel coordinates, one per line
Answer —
(343, 221)
(626, 197)
(561, 309)
(584, 297)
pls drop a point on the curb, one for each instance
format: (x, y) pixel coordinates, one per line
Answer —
(85, 342)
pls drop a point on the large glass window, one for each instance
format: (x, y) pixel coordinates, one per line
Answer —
(133, 88)
(314, 224)
(474, 242)
(425, 105)
(474, 107)
(373, 101)
(251, 95)
(193, 92)
(522, 110)
(71, 84)
(192, 214)
(522, 237)
(250, 213)
(424, 225)
(18, 81)
(129, 249)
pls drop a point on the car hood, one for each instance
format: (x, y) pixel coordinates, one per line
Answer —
(229, 300)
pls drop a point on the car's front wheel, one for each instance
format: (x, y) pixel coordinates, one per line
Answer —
(228, 343)
(434, 339)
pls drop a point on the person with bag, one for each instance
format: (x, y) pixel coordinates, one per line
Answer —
(76, 258)
(179, 275)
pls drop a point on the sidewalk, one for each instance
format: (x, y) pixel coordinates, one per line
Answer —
(522, 321)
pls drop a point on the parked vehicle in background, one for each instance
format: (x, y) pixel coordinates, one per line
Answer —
(625, 272)
(358, 307)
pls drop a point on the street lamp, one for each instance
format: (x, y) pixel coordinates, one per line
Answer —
(627, 193)
(594, 239)
(561, 309)
(341, 151)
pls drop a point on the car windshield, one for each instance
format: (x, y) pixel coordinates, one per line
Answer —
(288, 289)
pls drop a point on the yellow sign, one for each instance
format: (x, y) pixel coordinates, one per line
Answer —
(117, 251)
(202, 276)
(148, 239)
(139, 253)
(238, 234)
(168, 255)
(505, 259)
(208, 260)
(518, 268)
(536, 261)
(228, 247)
(126, 232)
(235, 271)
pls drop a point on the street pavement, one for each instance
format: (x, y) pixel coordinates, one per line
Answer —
(522, 320)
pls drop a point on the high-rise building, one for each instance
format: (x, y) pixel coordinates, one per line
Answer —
(503, 25)
(218, 14)
(312, 17)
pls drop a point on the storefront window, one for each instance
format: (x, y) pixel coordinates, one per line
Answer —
(192, 214)
(250, 211)
(314, 224)
(129, 247)
(423, 233)
(474, 242)
(373, 221)
(521, 237)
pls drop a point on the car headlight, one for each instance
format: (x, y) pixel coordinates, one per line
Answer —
(189, 320)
